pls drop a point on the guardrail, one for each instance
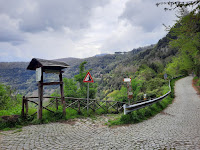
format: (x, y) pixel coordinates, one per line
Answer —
(130, 108)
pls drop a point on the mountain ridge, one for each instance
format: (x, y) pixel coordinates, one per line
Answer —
(16, 75)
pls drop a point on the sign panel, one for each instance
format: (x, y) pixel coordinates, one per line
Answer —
(52, 71)
(88, 78)
(165, 76)
(127, 79)
(130, 96)
(38, 74)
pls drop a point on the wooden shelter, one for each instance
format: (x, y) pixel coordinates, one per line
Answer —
(47, 66)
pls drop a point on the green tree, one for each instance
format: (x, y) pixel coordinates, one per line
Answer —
(122, 95)
(187, 30)
(82, 73)
(8, 97)
(70, 88)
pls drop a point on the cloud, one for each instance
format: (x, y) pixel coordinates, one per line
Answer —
(146, 14)
(9, 30)
(140, 24)
(37, 15)
(126, 37)
(53, 29)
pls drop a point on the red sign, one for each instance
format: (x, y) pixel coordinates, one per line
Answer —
(88, 78)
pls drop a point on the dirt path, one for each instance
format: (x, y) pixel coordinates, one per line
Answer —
(178, 127)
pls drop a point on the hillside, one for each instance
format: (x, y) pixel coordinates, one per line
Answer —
(108, 69)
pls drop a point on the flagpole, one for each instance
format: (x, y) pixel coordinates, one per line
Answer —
(88, 99)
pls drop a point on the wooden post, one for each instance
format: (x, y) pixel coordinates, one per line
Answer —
(93, 106)
(106, 107)
(22, 113)
(79, 109)
(117, 107)
(56, 104)
(62, 94)
(26, 105)
(40, 96)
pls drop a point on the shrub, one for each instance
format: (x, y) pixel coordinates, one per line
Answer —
(198, 82)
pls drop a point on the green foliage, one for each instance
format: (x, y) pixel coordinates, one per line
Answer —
(146, 73)
(157, 67)
(187, 29)
(154, 83)
(122, 95)
(70, 88)
(8, 98)
(198, 83)
(82, 73)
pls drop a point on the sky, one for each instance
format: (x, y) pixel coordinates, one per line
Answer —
(52, 29)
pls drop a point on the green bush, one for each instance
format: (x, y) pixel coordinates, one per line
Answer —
(198, 82)
(8, 97)
(140, 96)
(152, 94)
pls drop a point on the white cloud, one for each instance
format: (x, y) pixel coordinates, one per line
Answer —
(146, 14)
(9, 30)
(53, 29)
(140, 24)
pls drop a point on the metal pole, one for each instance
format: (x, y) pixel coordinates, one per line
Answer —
(88, 99)
(128, 93)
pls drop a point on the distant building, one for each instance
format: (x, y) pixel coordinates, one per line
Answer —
(118, 52)
(121, 53)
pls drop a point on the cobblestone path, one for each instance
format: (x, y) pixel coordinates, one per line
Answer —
(178, 127)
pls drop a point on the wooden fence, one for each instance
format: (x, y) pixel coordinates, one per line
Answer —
(78, 104)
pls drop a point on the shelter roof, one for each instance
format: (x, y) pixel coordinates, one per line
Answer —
(46, 64)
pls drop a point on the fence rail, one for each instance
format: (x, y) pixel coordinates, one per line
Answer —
(78, 104)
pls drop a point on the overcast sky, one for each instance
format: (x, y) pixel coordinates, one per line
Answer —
(52, 29)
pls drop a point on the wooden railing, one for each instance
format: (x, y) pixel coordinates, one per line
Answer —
(78, 104)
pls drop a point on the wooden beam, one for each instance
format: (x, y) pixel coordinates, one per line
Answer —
(44, 107)
(40, 98)
(26, 105)
(22, 113)
(43, 97)
(62, 95)
(52, 83)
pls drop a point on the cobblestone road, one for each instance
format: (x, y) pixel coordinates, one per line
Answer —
(178, 127)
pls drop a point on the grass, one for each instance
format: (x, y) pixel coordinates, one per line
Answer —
(147, 112)
(13, 111)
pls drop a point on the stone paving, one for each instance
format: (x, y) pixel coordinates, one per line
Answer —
(177, 127)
